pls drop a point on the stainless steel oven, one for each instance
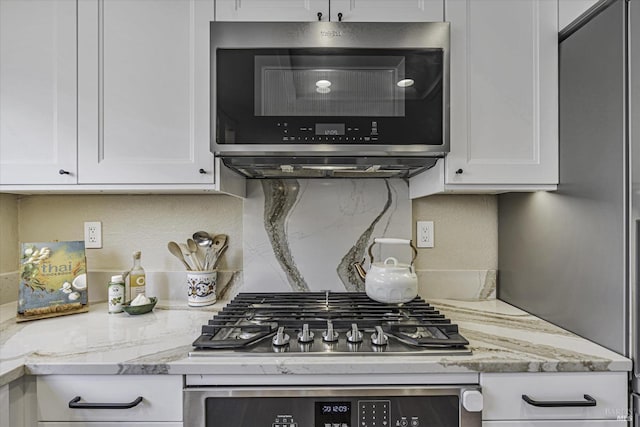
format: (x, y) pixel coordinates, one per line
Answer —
(374, 406)
(277, 338)
(299, 99)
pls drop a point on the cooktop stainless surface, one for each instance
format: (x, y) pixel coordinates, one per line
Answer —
(329, 323)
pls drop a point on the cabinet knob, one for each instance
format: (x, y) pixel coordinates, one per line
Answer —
(340, 16)
(319, 16)
(459, 172)
(202, 171)
(64, 172)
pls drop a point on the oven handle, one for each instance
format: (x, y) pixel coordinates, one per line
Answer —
(74, 404)
(588, 401)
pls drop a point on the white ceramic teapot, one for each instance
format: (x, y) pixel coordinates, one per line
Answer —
(390, 281)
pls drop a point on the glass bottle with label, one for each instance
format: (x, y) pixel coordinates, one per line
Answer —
(116, 294)
(137, 279)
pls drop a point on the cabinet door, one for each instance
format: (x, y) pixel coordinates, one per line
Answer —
(143, 91)
(161, 398)
(107, 424)
(272, 11)
(38, 91)
(504, 92)
(555, 423)
(388, 11)
(504, 395)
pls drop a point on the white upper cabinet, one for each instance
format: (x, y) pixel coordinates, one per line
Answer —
(504, 99)
(272, 11)
(334, 10)
(387, 11)
(38, 92)
(143, 92)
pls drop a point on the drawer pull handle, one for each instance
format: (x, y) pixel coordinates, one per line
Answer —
(588, 401)
(74, 403)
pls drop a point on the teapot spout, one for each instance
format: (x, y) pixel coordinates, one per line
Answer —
(359, 269)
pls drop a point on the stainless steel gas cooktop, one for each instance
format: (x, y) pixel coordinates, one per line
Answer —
(327, 323)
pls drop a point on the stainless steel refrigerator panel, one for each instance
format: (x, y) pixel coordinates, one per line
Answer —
(634, 153)
(562, 255)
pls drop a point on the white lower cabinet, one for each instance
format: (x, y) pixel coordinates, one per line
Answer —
(555, 399)
(107, 424)
(563, 423)
(159, 396)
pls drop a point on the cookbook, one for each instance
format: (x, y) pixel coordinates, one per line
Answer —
(53, 280)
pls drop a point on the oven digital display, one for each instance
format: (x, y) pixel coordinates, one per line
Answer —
(333, 413)
(329, 129)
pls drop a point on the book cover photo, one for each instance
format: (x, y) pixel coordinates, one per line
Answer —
(53, 280)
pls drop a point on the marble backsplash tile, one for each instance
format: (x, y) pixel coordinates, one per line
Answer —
(303, 235)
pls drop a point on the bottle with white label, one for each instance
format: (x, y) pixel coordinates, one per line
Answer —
(116, 294)
(137, 279)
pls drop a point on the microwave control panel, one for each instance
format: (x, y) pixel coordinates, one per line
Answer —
(329, 133)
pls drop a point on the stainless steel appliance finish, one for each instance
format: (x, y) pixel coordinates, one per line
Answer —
(571, 257)
(329, 99)
(446, 406)
(327, 324)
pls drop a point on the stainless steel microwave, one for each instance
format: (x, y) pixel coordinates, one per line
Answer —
(329, 99)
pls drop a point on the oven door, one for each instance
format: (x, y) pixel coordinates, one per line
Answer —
(298, 92)
(335, 406)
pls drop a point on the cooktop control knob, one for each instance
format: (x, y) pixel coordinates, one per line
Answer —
(472, 400)
(280, 339)
(305, 335)
(378, 337)
(329, 335)
(354, 335)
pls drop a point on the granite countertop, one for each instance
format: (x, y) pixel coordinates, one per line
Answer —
(502, 339)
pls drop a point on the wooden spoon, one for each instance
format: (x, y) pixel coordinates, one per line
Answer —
(175, 250)
(218, 248)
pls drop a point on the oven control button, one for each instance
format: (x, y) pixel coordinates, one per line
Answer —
(378, 337)
(305, 335)
(354, 335)
(472, 400)
(280, 339)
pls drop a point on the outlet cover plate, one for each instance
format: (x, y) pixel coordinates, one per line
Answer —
(93, 235)
(424, 234)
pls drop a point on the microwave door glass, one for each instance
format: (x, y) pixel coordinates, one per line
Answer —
(320, 95)
(345, 86)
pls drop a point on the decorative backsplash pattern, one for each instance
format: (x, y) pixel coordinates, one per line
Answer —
(303, 235)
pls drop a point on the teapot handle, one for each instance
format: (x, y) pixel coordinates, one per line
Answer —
(393, 241)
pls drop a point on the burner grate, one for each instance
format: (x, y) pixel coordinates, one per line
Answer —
(246, 322)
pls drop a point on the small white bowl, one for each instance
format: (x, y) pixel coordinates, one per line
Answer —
(80, 282)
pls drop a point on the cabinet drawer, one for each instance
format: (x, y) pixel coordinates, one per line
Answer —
(556, 423)
(161, 397)
(108, 424)
(503, 395)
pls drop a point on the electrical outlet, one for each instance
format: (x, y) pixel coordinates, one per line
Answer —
(93, 235)
(424, 234)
